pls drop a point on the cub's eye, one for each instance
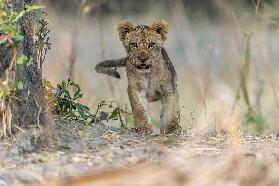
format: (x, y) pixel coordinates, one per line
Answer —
(134, 45)
(151, 45)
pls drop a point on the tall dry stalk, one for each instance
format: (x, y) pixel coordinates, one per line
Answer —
(207, 91)
(102, 45)
(186, 35)
(73, 50)
(267, 61)
(270, 73)
(251, 115)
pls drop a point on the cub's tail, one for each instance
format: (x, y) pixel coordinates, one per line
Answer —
(106, 67)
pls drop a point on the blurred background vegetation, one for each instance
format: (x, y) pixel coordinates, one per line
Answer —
(225, 53)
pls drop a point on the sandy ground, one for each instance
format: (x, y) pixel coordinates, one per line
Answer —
(82, 154)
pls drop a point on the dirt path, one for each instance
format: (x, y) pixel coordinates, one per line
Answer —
(106, 155)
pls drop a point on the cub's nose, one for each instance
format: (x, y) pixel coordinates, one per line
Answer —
(143, 57)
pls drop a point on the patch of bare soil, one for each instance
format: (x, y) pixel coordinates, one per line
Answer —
(83, 154)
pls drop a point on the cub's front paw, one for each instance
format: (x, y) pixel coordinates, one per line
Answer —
(175, 130)
(146, 129)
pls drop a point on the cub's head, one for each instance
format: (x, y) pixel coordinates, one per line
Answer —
(143, 43)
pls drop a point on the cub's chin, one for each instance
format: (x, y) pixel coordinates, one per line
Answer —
(143, 68)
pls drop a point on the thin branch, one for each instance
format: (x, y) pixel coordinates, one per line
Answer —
(120, 118)
(39, 113)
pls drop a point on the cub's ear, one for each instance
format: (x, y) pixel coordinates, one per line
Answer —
(161, 27)
(124, 27)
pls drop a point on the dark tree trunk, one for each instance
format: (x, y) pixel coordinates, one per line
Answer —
(28, 108)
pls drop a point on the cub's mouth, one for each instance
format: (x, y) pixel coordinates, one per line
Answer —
(143, 67)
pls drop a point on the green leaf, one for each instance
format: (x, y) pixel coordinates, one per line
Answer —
(5, 82)
(18, 37)
(63, 84)
(82, 107)
(30, 62)
(78, 96)
(22, 60)
(114, 113)
(19, 16)
(29, 9)
(81, 113)
(19, 85)
(77, 93)
(3, 41)
(34, 7)
(67, 94)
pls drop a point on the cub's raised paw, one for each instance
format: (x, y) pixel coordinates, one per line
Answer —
(114, 73)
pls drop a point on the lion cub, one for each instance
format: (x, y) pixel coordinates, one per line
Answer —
(151, 75)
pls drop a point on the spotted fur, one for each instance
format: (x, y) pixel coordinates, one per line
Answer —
(151, 75)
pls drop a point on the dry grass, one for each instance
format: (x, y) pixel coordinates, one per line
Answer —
(208, 57)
